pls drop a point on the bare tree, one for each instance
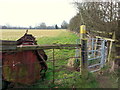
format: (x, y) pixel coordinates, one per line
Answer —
(64, 25)
(102, 16)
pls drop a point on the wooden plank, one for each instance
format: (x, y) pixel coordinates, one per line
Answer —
(55, 46)
(108, 39)
(101, 32)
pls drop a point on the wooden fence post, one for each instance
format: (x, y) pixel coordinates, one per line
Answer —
(83, 51)
(110, 47)
(84, 58)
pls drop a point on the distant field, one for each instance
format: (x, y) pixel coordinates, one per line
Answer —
(9, 34)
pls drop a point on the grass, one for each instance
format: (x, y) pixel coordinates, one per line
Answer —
(65, 78)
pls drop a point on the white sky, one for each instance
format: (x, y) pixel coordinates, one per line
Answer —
(33, 12)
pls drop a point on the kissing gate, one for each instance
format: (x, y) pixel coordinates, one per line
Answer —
(94, 56)
(96, 53)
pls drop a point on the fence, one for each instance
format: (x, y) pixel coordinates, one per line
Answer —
(88, 55)
(51, 51)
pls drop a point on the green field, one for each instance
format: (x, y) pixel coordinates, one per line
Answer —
(61, 59)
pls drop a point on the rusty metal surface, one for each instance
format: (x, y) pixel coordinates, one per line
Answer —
(21, 67)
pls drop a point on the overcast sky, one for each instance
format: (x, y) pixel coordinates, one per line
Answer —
(33, 12)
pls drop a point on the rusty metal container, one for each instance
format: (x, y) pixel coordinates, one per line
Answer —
(22, 67)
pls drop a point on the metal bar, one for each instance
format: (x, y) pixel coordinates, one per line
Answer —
(95, 46)
(53, 67)
(77, 51)
(95, 58)
(5, 48)
(95, 70)
(103, 53)
(93, 50)
(55, 46)
(93, 65)
(99, 45)
(92, 46)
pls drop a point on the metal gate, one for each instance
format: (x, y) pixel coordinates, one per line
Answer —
(97, 53)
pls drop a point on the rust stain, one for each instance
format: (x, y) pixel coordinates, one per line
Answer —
(21, 67)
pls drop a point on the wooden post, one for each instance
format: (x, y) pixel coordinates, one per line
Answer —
(84, 58)
(83, 51)
(110, 47)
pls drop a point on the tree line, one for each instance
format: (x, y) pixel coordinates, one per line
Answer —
(42, 25)
(99, 16)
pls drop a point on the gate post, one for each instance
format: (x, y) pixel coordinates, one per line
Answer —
(82, 32)
(110, 47)
(83, 52)
(84, 58)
